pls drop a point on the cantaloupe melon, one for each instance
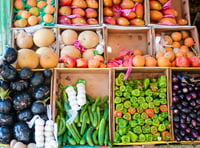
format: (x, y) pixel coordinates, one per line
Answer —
(43, 37)
(70, 51)
(88, 39)
(87, 54)
(68, 37)
(42, 50)
(24, 40)
(27, 58)
(48, 60)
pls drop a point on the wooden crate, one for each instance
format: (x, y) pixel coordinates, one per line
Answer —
(79, 29)
(141, 73)
(181, 6)
(12, 13)
(98, 83)
(191, 72)
(131, 38)
(168, 30)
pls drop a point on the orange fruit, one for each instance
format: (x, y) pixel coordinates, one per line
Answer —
(190, 54)
(180, 53)
(138, 61)
(137, 52)
(168, 39)
(146, 56)
(49, 2)
(32, 20)
(189, 42)
(48, 18)
(170, 55)
(49, 9)
(31, 3)
(168, 49)
(41, 4)
(176, 36)
(163, 62)
(18, 4)
(185, 34)
(184, 49)
(173, 64)
(176, 45)
(159, 54)
(24, 14)
(34, 11)
(150, 62)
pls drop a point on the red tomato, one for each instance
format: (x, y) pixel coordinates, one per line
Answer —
(195, 61)
(182, 61)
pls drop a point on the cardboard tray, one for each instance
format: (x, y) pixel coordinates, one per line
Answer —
(141, 73)
(145, 17)
(12, 13)
(119, 37)
(169, 29)
(79, 29)
(182, 7)
(98, 83)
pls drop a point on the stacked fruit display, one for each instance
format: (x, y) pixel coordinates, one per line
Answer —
(141, 111)
(78, 12)
(41, 40)
(161, 12)
(32, 12)
(81, 50)
(91, 122)
(186, 105)
(123, 12)
(23, 95)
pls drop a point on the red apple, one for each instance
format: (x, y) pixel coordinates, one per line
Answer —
(93, 63)
(68, 61)
(109, 20)
(65, 10)
(99, 57)
(195, 61)
(81, 63)
(65, 2)
(64, 20)
(110, 65)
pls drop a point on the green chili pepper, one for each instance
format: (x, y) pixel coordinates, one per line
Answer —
(156, 110)
(144, 105)
(142, 138)
(62, 127)
(146, 129)
(117, 100)
(148, 121)
(60, 106)
(118, 93)
(163, 101)
(136, 116)
(123, 130)
(146, 83)
(127, 104)
(149, 137)
(118, 82)
(141, 100)
(133, 136)
(137, 130)
(167, 124)
(151, 105)
(127, 95)
(136, 92)
(156, 122)
(133, 123)
(156, 102)
(148, 92)
(119, 107)
(161, 127)
(117, 137)
(148, 99)
(144, 116)
(125, 139)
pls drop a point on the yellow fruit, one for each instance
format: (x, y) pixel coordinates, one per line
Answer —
(70, 51)
(34, 11)
(48, 60)
(68, 37)
(42, 50)
(24, 40)
(49, 9)
(48, 18)
(32, 20)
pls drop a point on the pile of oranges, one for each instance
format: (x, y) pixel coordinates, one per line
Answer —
(33, 12)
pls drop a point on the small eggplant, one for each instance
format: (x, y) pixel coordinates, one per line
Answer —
(175, 87)
(188, 119)
(174, 94)
(25, 73)
(183, 116)
(184, 103)
(38, 107)
(183, 84)
(198, 100)
(182, 121)
(194, 123)
(179, 106)
(19, 85)
(175, 99)
(6, 119)
(187, 138)
(4, 84)
(176, 125)
(175, 80)
(194, 133)
(193, 95)
(8, 72)
(187, 130)
(182, 133)
(176, 131)
(181, 96)
(193, 115)
(25, 115)
(37, 79)
(178, 137)
(179, 92)
(47, 73)
(183, 125)
(21, 101)
(198, 119)
(41, 92)
(188, 97)
(5, 135)
(5, 105)
(22, 132)
(185, 90)
(186, 110)
(175, 111)
(10, 55)
(192, 103)
(176, 118)
(190, 88)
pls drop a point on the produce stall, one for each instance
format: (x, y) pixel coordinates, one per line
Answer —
(99, 73)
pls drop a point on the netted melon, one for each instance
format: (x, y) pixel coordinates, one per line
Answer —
(88, 39)
(24, 40)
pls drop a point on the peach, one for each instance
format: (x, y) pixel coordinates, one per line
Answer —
(137, 22)
(92, 21)
(91, 13)
(18, 4)
(78, 11)
(107, 11)
(65, 10)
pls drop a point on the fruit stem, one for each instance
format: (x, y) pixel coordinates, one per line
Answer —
(3, 93)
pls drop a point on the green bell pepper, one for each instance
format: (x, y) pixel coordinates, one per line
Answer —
(131, 110)
(156, 102)
(157, 137)
(148, 92)
(167, 124)
(164, 114)
(117, 100)
(118, 82)
(137, 130)
(123, 130)
(133, 136)
(119, 107)
(138, 84)
(154, 129)
(128, 89)
(156, 110)
(124, 110)
(161, 127)
(116, 88)
(127, 116)
(154, 117)
(133, 99)
(127, 95)
(160, 118)
(142, 138)
(135, 92)
(156, 122)
(122, 122)
(117, 120)
(141, 100)
(118, 93)
(122, 88)
(151, 105)
(148, 99)
(154, 87)
(144, 105)
(163, 90)
(133, 123)
(153, 80)
(162, 95)
(135, 105)
(121, 76)
(127, 104)
(163, 101)
(149, 137)
(148, 121)
(144, 115)
(155, 94)
(140, 121)
(125, 139)
(141, 93)
(136, 116)
(124, 99)
(117, 137)
(146, 129)
(146, 82)
(162, 81)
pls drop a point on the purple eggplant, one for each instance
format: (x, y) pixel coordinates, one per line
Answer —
(182, 121)
(179, 106)
(194, 123)
(178, 137)
(179, 92)
(176, 125)
(192, 138)
(19, 85)
(192, 103)
(37, 79)
(183, 125)
(25, 73)
(175, 80)
(193, 95)
(182, 133)
(194, 133)
(197, 107)
(175, 87)
(176, 118)
(21, 101)
(10, 55)
(5, 105)
(183, 84)
(198, 113)
(184, 103)
(186, 110)
(38, 107)
(47, 73)
(187, 130)
(176, 131)
(22, 132)
(185, 90)
(198, 119)
(41, 93)
(175, 99)
(190, 88)
(181, 96)
(25, 115)
(186, 138)
(5, 134)
(173, 93)
(193, 115)
(183, 116)
(4, 84)
(198, 138)
(188, 119)
(198, 101)
(6, 119)
(175, 111)
(8, 72)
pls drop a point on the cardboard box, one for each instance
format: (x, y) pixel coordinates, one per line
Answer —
(12, 13)
(98, 83)
(79, 29)
(141, 73)
(181, 6)
(119, 37)
(170, 29)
